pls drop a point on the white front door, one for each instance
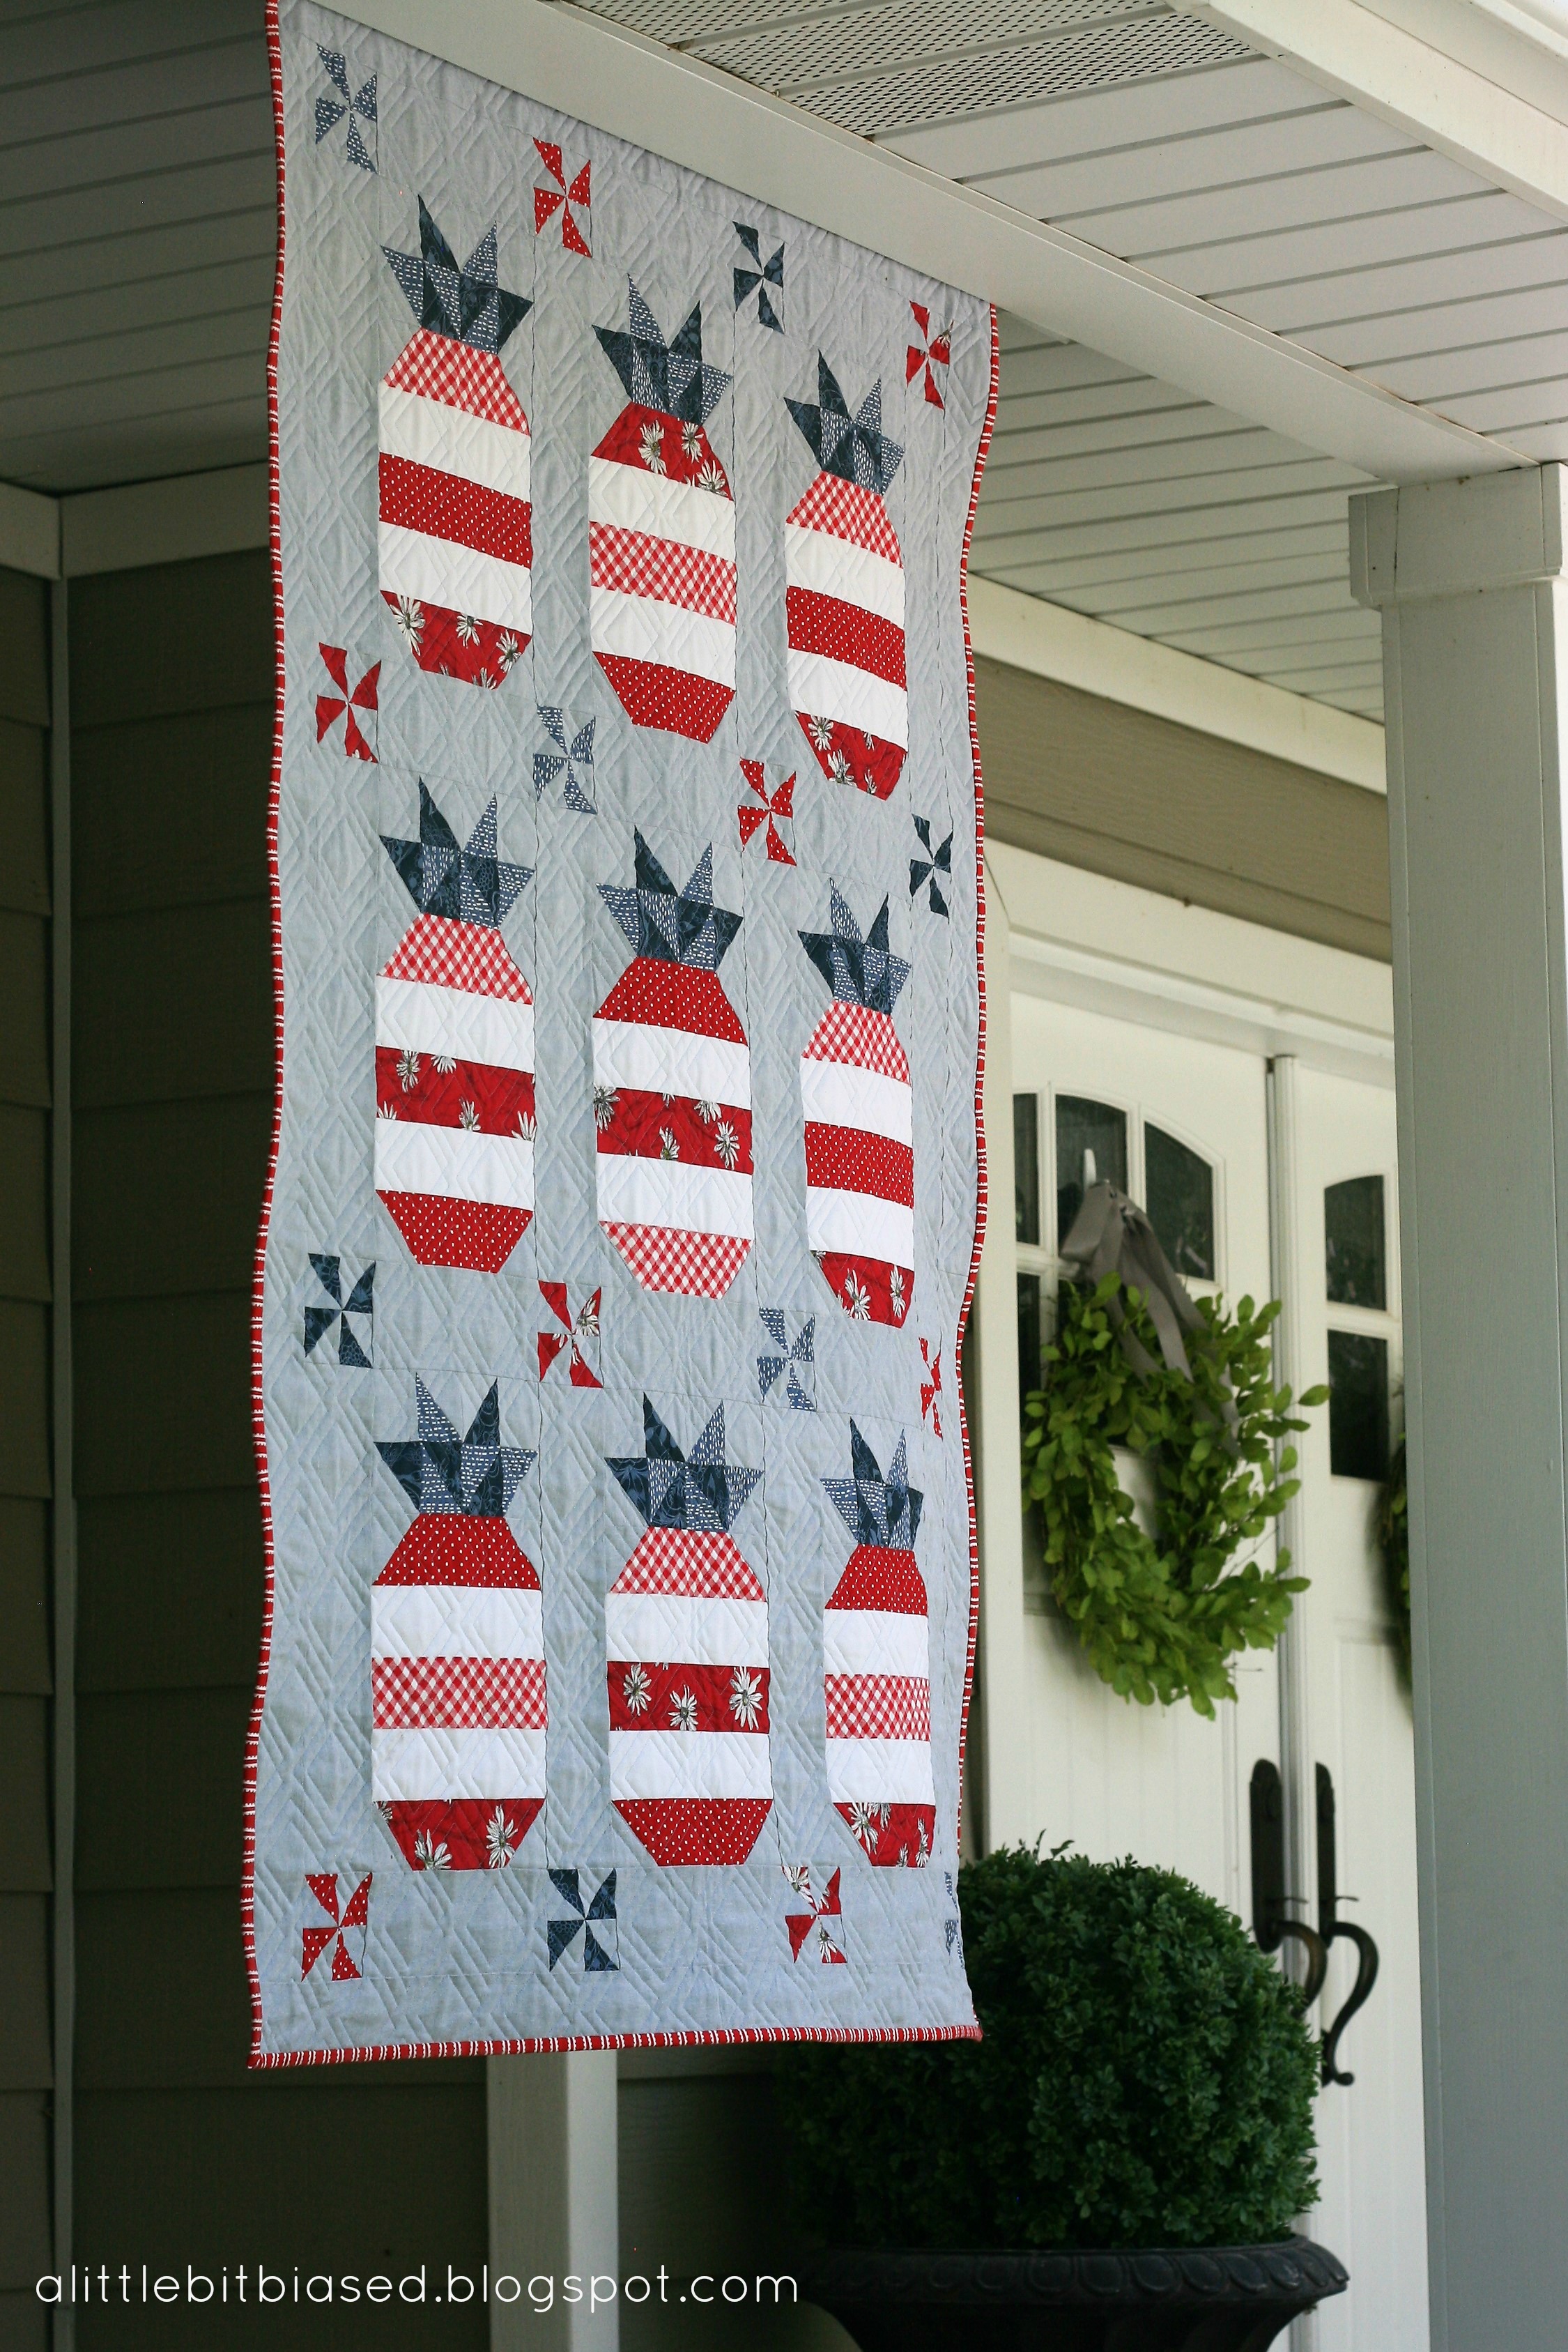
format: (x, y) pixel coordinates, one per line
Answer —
(1339, 1182)
(1182, 1124)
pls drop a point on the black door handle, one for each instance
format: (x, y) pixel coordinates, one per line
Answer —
(1331, 1926)
(1271, 1922)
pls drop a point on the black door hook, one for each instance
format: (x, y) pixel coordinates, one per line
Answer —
(1271, 1920)
(1331, 1927)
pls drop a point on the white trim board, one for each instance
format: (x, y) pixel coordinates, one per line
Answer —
(168, 522)
(1049, 641)
(748, 139)
(1110, 946)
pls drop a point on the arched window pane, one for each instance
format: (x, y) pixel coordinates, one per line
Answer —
(1180, 1203)
(1090, 1144)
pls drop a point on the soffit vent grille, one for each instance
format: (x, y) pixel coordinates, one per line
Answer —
(890, 64)
(1091, 60)
(900, 37)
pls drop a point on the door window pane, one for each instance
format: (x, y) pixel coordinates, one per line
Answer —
(1032, 1334)
(1026, 1167)
(1353, 1220)
(1091, 1149)
(1181, 1203)
(1358, 1405)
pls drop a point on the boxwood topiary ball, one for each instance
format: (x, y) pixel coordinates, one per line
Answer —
(1146, 2077)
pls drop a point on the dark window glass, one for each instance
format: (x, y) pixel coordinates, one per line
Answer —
(1353, 1219)
(1026, 1167)
(1086, 1130)
(1358, 1405)
(1181, 1202)
(1032, 1334)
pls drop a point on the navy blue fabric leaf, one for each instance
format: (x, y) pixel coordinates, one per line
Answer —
(467, 884)
(670, 377)
(672, 926)
(858, 971)
(852, 447)
(467, 305)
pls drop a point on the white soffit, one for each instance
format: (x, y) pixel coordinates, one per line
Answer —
(138, 233)
(1131, 502)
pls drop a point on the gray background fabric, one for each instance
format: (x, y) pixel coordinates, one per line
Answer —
(462, 1957)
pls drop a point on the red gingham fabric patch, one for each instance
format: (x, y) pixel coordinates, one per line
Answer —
(878, 1706)
(438, 368)
(848, 1033)
(848, 512)
(457, 1693)
(663, 1258)
(640, 565)
(696, 1561)
(450, 954)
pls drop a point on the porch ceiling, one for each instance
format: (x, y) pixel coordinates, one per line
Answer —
(136, 242)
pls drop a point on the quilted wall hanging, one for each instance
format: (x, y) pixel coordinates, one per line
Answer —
(627, 1181)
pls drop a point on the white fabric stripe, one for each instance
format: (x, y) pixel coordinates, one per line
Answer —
(874, 1641)
(634, 499)
(411, 1765)
(428, 432)
(684, 1631)
(457, 1162)
(671, 1062)
(455, 1621)
(644, 629)
(836, 567)
(857, 1223)
(443, 571)
(420, 1015)
(689, 1764)
(667, 1192)
(842, 1094)
(880, 1772)
(824, 688)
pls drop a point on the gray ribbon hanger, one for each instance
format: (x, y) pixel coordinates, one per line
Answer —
(1111, 1234)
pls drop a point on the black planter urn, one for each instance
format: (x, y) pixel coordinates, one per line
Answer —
(1188, 2299)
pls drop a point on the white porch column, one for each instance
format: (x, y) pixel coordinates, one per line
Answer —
(554, 2199)
(999, 1728)
(1469, 577)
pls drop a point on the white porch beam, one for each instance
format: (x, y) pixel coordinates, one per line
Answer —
(713, 123)
(1459, 78)
(1052, 641)
(1470, 579)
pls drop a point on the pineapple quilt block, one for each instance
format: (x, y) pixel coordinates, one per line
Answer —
(627, 1176)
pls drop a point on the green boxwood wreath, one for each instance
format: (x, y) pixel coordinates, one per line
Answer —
(1161, 1616)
